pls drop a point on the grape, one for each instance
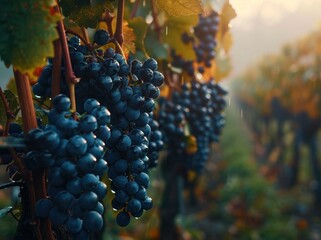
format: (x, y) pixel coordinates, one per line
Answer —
(101, 37)
(123, 219)
(89, 181)
(88, 200)
(147, 203)
(57, 216)
(86, 163)
(61, 103)
(63, 200)
(134, 205)
(74, 186)
(92, 221)
(74, 225)
(43, 207)
(100, 190)
(76, 146)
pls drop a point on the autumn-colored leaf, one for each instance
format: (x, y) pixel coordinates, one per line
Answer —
(223, 67)
(227, 14)
(174, 28)
(139, 27)
(130, 39)
(227, 42)
(181, 7)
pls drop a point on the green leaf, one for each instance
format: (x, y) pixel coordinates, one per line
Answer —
(27, 30)
(181, 7)
(175, 27)
(154, 48)
(5, 211)
(140, 27)
(86, 13)
(13, 101)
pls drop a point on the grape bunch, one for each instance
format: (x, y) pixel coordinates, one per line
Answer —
(14, 130)
(77, 51)
(205, 32)
(172, 121)
(128, 91)
(203, 42)
(197, 107)
(43, 86)
(72, 154)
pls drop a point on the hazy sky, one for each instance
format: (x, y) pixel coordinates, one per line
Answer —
(263, 26)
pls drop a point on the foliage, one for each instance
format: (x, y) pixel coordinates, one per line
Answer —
(27, 29)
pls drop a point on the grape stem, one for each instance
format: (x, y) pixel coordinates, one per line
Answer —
(56, 69)
(135, 8)
(108, 19)
(118, 47)
(82, 38)
(119, 36)
(35, 181)
(85, 34)
(70, 76)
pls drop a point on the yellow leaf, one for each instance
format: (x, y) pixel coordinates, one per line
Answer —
(227, 42)
(139, 27)
(129, 40)
(129, 37)
(227, 14)
(175, 27)
(181, 7)
(223, 67)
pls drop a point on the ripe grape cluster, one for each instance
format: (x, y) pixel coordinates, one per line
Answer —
(199, 107)
(132, 139)
(14, 130)
(43, 86)
(72, 154)
(205, 32)
(128, 91)
(204, 44)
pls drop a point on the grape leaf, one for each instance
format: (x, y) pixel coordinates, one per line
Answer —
(140, 27)
(227, 42)
(5, 211)
(27, 30)
(153, 47)
(13, 105)
(129, 45)
(181, 7)
(174, 28)
(12, 100)
(86, 13)
(227, 14)
(223, 67)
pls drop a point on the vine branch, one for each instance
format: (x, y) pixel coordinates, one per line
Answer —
(70, 76)
(82, 38)
(35, 180)
(119, 36)
(56, 69)
(135, 8)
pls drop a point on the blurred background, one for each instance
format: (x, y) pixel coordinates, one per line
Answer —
(263, 180)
